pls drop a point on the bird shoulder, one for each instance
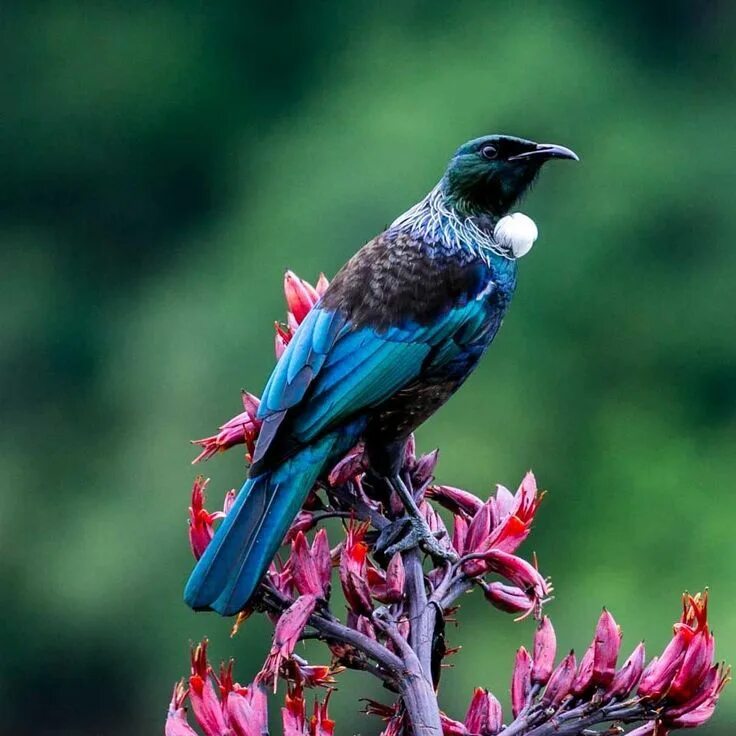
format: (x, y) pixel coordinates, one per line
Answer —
(397, 278)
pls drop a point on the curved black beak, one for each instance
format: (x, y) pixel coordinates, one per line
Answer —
(546, 151)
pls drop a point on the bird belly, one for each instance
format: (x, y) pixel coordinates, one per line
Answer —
(391, 422)
(397, 417)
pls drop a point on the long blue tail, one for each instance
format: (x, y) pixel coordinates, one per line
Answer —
(236, 559)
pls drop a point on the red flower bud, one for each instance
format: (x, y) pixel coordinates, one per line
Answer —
(280, 341)
(583, 679)
(606, 646)
(176, 719)
(685, 664)
(708, 690)
(695, 665)
(241, 429)
(311, 568)
(410, 451)
(424, 468)
(353, 573)
(695, 718)
(450, 727)
(251, 404)
(323, 557)
(507, 536)
(459, 533)
(280, 577)
(695, 610)
(363, 624)
(528, 498)
(283, 332)
(520, 681)
(351, 465)
(435, 523)
(501, 524)
(484, 715)
(245, 708)
(509, 598)
(388, 587)
(293, 714)
(505, 502)
(322, 284)
(301, 296)
(523, 504)
(202, 694)
(227, 504)
(395, 726)
(201, 529)
(305, 521)
(479, 529)
(455, 499)
(247, 712)
(315, 675)
(545, 649)
(628, 676)
(518, 571)
(701, 706)
(661, 671)
(560, 682)
(395, 578)
(289, 628)
(320, 723)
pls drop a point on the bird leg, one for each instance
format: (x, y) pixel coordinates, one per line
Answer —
(410, 530)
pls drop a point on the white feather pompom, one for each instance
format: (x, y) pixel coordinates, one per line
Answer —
(516, 232)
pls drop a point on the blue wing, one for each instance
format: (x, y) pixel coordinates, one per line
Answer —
(331, 371)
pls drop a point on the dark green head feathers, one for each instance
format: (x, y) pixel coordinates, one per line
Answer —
(487, 175)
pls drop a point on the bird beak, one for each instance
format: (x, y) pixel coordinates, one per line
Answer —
(546, 151)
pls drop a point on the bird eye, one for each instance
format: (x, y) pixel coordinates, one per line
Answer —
(489, 152)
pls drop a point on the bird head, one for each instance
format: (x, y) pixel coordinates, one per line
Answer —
(486, 176)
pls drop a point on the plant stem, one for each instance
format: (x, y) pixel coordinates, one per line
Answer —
(575, 721)
(332, 629)
(420, 702)
(458, 587)
(422, 629)
(417, 690)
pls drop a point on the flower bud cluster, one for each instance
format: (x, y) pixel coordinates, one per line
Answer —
(222, 707)
(397, 604)
(678, 689)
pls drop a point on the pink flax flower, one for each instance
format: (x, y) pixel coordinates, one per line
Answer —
(176, 719)
(242, 429)
(354, 571)
(201, 521)
(203, 695)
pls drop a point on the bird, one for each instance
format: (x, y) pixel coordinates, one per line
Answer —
(399, 329)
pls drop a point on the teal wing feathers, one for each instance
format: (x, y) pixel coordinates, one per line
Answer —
(330, 372)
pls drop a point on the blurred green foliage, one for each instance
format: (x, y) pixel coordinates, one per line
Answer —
(164, 162)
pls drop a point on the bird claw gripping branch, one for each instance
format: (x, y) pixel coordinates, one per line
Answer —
(397, 605)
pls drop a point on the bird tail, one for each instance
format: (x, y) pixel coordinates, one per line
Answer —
(236, 559)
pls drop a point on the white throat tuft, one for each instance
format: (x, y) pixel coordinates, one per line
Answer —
(516, 232)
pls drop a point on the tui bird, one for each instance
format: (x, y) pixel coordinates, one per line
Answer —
(399, 329)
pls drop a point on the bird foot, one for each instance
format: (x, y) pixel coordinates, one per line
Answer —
(408, 532)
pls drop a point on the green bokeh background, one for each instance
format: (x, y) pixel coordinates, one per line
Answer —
(162, 163)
